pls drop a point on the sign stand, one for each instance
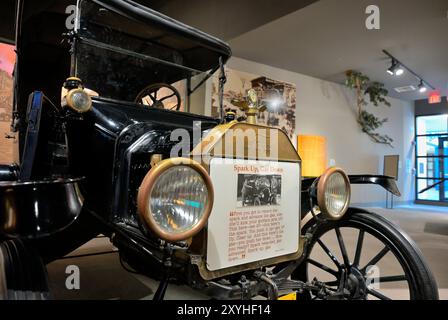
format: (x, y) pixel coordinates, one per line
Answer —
(390, 168)
(389, 202)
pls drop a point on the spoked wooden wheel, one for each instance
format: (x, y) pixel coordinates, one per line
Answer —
(23, 276)
(160, 95)
(364, 256)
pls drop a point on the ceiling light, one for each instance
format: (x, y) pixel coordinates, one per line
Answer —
(399, 71)
(391, 70)
(395, 69)
(421, 87)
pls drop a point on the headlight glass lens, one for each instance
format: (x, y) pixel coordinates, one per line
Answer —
(178, 199)
(80, 100)
(336, 194)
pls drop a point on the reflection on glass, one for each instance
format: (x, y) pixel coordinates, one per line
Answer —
(432, 194)
(432, 124)
(429, 167)
(445, 188)
(431, 146)
(128, 56)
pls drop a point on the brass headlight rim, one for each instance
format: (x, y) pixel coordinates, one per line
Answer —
(145, 190)
(70, 103)
(321, 185)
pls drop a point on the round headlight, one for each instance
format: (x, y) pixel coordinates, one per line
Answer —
(333, 193)
(78, 100)
(175, 199)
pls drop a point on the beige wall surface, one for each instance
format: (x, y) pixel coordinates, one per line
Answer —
(328, 109)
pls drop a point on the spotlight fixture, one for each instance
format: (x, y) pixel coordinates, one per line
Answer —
(395, 69)
(421, 87)
(399, 71)
(391, 70)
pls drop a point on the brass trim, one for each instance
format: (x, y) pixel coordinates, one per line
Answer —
(70, 103)
(210, 275)
(321, 186)
(145, 190)
(73, 79)
(155, 159)
(213, 144)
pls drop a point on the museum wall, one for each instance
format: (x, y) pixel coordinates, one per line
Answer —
(327, 109)
(424, 108)
(6, 145)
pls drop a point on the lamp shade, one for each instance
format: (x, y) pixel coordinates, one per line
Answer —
(313, 151)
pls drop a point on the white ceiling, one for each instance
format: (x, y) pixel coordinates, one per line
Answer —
(329, 37)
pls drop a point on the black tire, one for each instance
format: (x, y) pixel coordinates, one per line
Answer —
(23, 275)
(421, 282)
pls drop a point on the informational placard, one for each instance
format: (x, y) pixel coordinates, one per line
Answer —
(256, 211)
(391, 163)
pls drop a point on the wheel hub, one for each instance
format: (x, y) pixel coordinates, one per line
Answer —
(356, 284)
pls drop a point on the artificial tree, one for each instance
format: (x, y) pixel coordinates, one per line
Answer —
(376, 94)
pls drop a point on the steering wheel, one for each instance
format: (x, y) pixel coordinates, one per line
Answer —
(148, 96)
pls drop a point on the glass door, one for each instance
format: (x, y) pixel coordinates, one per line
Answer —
(432, 159)
(443, 151)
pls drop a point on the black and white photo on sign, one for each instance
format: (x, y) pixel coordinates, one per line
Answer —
(258, 190)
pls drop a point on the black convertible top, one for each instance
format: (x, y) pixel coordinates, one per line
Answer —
(43, 47)
(170, 32)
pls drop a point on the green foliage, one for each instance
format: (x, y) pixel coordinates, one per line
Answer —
(370, 123)
(355, 79)
(376, 94)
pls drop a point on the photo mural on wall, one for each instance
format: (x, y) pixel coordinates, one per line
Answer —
(7, 60)
(279, 97)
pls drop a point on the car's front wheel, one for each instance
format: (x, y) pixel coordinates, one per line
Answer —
(364, 256)
(23, 275)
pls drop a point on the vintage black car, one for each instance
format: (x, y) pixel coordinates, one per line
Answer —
(96, 134)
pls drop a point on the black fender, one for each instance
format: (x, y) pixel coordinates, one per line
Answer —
(306, 217)
(386, 182)
(352, 210)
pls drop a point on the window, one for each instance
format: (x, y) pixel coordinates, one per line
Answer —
(432, 158)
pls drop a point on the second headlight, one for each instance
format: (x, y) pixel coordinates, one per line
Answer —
(175, 199)
(333, 193)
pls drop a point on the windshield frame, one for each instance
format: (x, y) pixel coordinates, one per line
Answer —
(79, 38)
